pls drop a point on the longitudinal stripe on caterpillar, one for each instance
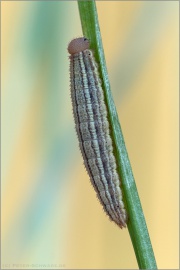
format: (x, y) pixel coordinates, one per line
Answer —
(92, 127)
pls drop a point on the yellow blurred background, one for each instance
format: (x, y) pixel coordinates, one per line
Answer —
(51, 218)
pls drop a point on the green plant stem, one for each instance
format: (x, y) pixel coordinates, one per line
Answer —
(136, 221)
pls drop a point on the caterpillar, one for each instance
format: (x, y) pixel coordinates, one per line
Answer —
(92, 127)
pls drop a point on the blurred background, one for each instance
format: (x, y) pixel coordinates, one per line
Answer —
(51, 217)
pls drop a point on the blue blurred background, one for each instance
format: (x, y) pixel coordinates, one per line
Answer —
(50, 213)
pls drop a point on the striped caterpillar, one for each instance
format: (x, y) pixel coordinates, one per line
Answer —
(90, 114)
